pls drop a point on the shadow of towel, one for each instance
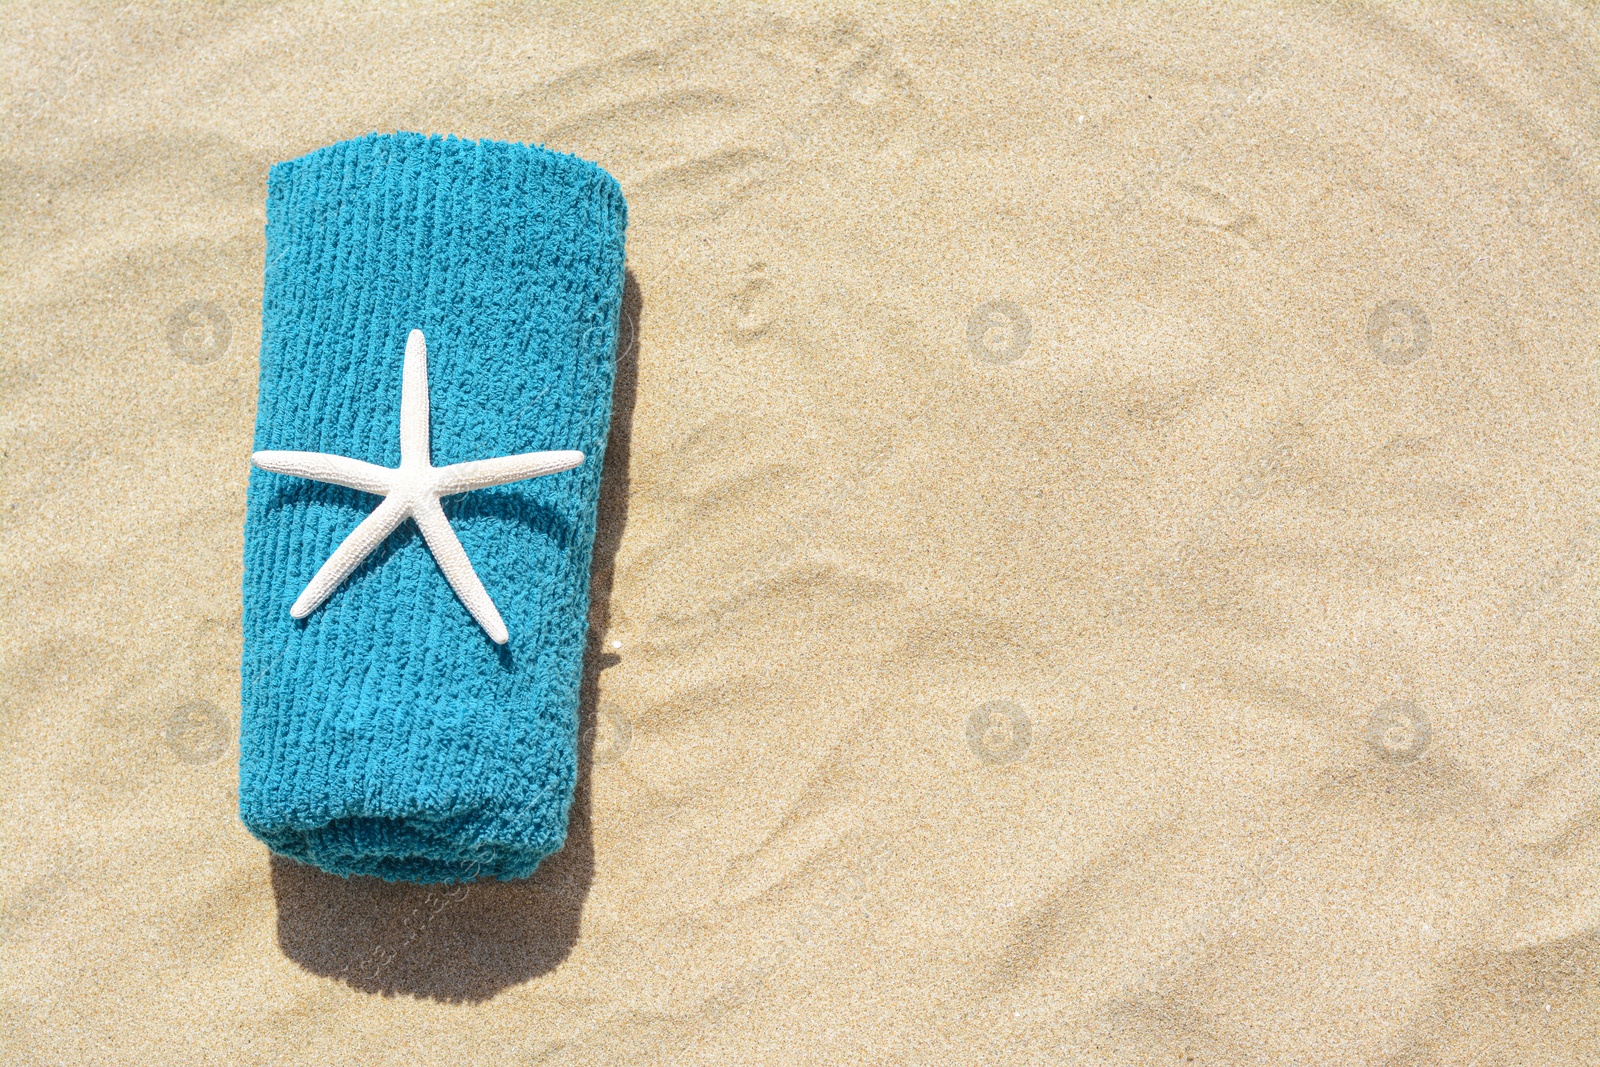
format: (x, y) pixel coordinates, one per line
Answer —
(466, 943)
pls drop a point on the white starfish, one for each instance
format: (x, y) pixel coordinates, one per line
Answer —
(411, 491)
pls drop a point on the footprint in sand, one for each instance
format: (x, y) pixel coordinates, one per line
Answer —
(679, 128)
(751, 304)
(1201, 205)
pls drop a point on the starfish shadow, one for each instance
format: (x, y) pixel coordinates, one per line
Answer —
(466, 943)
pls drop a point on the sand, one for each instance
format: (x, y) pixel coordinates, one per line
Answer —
(1097, 556)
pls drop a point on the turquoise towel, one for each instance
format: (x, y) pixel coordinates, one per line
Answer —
(386, 734)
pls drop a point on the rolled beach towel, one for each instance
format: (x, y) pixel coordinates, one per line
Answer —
(415, 582)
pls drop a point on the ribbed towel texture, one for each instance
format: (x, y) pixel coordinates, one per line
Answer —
(386, 734)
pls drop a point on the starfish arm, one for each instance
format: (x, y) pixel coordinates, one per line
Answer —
(482, 473)
(452, 560)
(348, 556)
(336, 470)
(414, 402)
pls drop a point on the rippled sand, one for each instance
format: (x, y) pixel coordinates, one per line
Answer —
(1097, 562)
